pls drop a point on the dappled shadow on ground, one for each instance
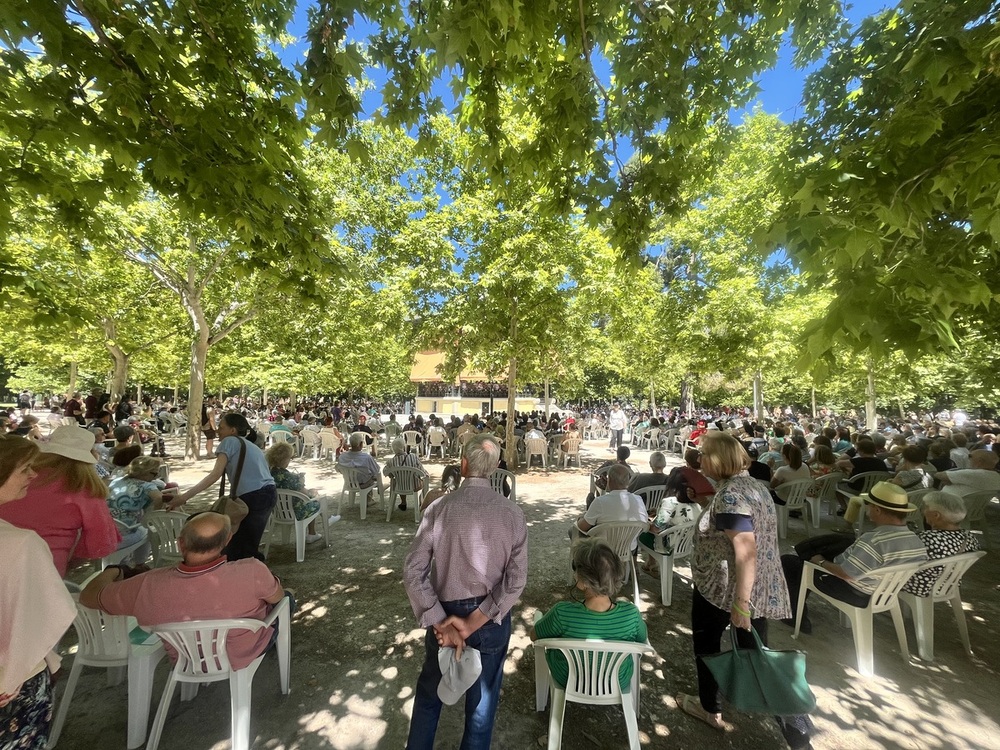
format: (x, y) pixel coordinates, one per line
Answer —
(356, 653)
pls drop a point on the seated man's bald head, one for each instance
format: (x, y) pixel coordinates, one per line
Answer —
(205, 532)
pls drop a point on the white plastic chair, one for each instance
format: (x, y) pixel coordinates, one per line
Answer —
(825, 491)
(889, 582)
(868, 480)
(280, 436)
(621, 537)
(650, 439)
(263, 427)
(285, 520)
(652, 497)
(202, 657)
(975, 509)
(796, 495)
(915, 520)
(165, 526)
(437, 440)
(330, 444)
(593, 679)
(355, 492)
(946, 589)
(412, 438)
(670, 545)
(536, 447)
(311, 441)
(570, 451)
(104, 643)
(403, 481)
(497, 480)
(126, 552)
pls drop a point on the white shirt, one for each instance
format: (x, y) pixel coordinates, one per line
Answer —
(616, 420)
(617, 505)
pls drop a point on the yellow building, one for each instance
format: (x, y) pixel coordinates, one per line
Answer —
(471, 393)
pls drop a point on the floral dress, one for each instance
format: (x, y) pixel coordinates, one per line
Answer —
(287, 480)
(714, 559)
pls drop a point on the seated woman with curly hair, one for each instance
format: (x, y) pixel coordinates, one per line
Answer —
(278, 457)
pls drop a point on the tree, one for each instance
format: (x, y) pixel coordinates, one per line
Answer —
(187, 99)
(891, 196)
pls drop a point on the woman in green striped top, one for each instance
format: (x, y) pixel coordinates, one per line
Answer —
(599, 574)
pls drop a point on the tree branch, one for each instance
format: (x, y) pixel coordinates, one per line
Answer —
(250, 315)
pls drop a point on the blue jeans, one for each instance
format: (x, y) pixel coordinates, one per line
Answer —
(481, 700)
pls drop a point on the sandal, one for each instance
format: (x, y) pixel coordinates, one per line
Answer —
(691, 705)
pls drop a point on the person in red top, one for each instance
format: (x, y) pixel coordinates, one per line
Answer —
(205, 586)
(695, 436)
(65, 504)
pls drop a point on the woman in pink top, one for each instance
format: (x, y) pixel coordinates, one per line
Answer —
(65, 503)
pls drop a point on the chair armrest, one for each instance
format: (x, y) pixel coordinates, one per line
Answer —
(281, 613)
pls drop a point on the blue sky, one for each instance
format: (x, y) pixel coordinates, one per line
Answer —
(780, 88)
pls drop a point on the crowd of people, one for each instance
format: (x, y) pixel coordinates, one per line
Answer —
(82, 492)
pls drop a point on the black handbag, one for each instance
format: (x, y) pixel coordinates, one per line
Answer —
(761, 680)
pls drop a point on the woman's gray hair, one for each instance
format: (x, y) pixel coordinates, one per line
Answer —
(399, 446)
(357, 439)
(597, 567)
(657, 461)
(482, 456)
(950, 506)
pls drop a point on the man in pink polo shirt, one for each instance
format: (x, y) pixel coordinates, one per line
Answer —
(205, 586)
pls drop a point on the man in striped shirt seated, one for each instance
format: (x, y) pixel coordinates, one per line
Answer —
(844, 576)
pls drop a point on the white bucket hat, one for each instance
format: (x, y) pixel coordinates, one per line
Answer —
(72, 442)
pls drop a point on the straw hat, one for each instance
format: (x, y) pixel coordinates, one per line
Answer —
(72, 442)
(889, 496)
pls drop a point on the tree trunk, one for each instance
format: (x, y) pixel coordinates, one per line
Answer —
(871, 420)
(72, 378)
(546, 399)
(291, 402)
(196, 390)
(758, 396)
(177, 393)
(687, 397)
(138, 393)
(119, 375)
(815, 413)
(652, 398)
(509, 440)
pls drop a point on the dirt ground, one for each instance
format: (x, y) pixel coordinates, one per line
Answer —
(356, 653)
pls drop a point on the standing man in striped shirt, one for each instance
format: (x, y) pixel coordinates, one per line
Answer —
(477, 542)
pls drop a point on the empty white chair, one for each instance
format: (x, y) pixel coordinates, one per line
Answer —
(593, 679)
(263, 427)
(915, 520)
(621, 537)
(795, 494)
(403, 480)
(536, 447)
(280, 436)
(946, 589)
(202, 657)
(650, 439)
(670, 545)
(355, 492)
(165, 526)
(285, 520)
(889, 581)
(497, 479)
(103, 642)
(652, 497)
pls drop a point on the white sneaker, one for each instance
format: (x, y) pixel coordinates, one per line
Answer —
(310, 538)
(332, 520)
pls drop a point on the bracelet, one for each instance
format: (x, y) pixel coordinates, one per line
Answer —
(736, 608)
